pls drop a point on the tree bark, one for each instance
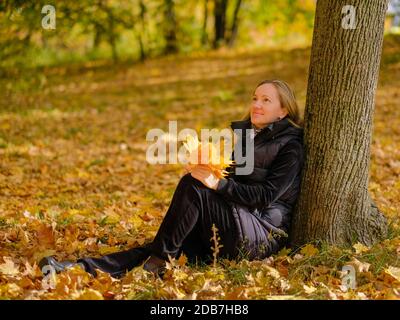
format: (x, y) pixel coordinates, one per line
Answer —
(219, 21)
(141, 34)
(204, 35)
(170, 27)
(98, 32)
(235, 25)
(111, 35)
(334, 204)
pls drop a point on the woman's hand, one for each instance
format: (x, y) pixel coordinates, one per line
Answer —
(204, 174)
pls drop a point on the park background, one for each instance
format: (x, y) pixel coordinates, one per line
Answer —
(76, 104)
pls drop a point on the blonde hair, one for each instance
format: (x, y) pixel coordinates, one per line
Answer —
(287, 99)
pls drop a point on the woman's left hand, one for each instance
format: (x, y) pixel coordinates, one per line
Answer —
(204, 174)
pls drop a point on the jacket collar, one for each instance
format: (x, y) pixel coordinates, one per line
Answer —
(270, 126)
(278, 127)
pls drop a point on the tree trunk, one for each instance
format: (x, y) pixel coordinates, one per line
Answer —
(111, 34)
(170, 27)
(141, 34)
(334, 204)
(204, 35)
(219, 21)
(98, 32)
(235, 24)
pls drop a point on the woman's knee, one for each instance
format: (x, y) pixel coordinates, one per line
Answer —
(187, 178)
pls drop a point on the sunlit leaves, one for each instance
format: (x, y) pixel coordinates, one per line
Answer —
(8, 267)
(309, 250)
(75, 182)
(208, 153)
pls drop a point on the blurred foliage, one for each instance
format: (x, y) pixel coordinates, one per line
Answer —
(136, 29)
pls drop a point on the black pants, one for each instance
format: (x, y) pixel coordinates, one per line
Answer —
(186, 228)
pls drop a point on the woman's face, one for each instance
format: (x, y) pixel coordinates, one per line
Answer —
(266, 107)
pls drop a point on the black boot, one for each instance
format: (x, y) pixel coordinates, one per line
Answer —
(52, 263)
(155, 265)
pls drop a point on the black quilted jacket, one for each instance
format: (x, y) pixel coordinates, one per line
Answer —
(271, 190)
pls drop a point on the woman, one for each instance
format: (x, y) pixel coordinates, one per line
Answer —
(251, 212)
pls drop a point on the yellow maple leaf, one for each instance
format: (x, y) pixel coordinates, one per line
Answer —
(136, 221)
(111, 215)
(360, 248)
(394, 272)
(45, 235)
(191, 144)
(90, 294)
(359, 265)
(11, 289)
(309, 250)
(309, 289)
(207, 153)
(107, 250)
(182, 260)
(284, 252)
(273, 272)
(8, 267)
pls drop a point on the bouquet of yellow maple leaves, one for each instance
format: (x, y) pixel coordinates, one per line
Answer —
(208, 154)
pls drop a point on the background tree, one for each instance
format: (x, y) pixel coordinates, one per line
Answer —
(142, 29)
(334, 204)
(170, 27)
(235, 24)
(220, 7)
(17, 27)
(204, 34)
(135, 29)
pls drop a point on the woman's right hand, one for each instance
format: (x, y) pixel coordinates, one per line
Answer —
(188, 168)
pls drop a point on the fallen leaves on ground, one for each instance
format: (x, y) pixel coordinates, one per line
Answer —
(74, 182)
